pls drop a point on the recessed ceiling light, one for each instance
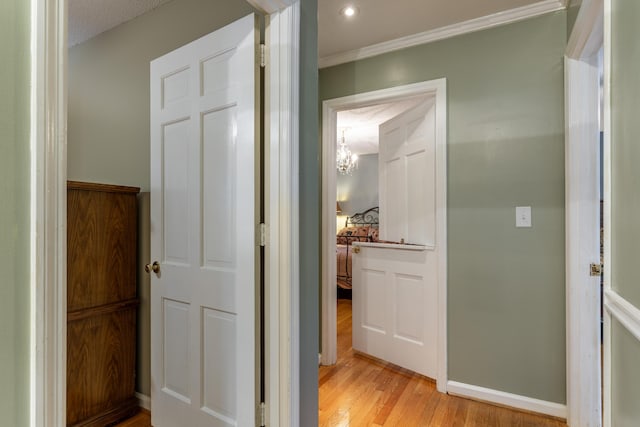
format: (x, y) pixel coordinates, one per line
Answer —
(349, 11)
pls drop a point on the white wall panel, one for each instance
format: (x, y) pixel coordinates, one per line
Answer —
(218, 187)
(176, 349)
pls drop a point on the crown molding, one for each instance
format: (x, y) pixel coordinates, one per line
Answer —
(472, 25)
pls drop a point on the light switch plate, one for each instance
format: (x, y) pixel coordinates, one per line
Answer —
(523, 216)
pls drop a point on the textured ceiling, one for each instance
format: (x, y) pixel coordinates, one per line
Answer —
(88, 18)
(384, 20)
(361, 124)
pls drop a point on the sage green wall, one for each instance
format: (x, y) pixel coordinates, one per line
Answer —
(310, 241)
(14, 212)
(625, 150)
(109, 87)
(359, 191)
(625, 377)
(109, 113)
(625, 205)
(506, 295)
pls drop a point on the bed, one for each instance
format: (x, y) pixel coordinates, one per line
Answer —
(361, 227)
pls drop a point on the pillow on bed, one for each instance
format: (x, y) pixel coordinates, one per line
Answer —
(374, 234)
(353, 234)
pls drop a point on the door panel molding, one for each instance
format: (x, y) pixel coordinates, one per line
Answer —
(203, 301)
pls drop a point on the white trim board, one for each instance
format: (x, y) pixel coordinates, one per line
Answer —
(502, 398)
(330, 109)
(584, 367)
(144, 401)
(282, 198)
(623, 311)
(470, 26)
(606, 329)
(48, 315)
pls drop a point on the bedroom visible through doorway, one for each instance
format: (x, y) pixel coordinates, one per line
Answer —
(354, 213)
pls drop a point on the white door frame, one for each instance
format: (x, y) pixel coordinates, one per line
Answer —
(582, 118)
(49, 211)
(330, 110)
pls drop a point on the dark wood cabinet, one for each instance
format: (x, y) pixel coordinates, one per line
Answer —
(101, 303)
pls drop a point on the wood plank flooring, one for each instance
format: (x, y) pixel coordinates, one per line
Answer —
(363, 392)
(143, 419)
(359, 391)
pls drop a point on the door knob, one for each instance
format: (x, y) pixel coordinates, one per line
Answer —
(155, 267)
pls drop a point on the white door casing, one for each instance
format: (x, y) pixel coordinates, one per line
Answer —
(582, 211)
(433, 88)
(203, 130)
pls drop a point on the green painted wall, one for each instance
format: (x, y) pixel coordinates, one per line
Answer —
(625, 150)
(14, 212)
(506, 294)
(109, 113)
(359, 191)
(109, 87)
(625, 377)
(309, 213)
(625, 205)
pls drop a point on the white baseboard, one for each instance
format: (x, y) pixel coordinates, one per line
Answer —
(507, 399)
(144, 401)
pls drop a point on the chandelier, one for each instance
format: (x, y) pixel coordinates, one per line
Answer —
(345, 161)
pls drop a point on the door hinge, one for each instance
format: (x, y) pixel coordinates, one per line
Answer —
(263, 56)
(262, 234)
(595, 269)
(262, 411)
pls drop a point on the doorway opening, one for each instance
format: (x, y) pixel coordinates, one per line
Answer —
(49, 170)
(403, 98)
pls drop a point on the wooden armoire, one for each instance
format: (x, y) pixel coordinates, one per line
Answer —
(101, 303)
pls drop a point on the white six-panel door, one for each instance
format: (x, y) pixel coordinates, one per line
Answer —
(203, 126)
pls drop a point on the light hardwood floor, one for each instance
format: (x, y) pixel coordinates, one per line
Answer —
(143, 419)
(362, 392)
(359, 391)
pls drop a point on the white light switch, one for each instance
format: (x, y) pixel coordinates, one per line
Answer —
(523, 216)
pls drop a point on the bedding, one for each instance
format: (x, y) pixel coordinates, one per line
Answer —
(343, 261)
(361, 227)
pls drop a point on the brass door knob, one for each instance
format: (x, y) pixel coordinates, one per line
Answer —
(155, 267)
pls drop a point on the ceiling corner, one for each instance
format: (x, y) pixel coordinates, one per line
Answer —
(271, 6)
